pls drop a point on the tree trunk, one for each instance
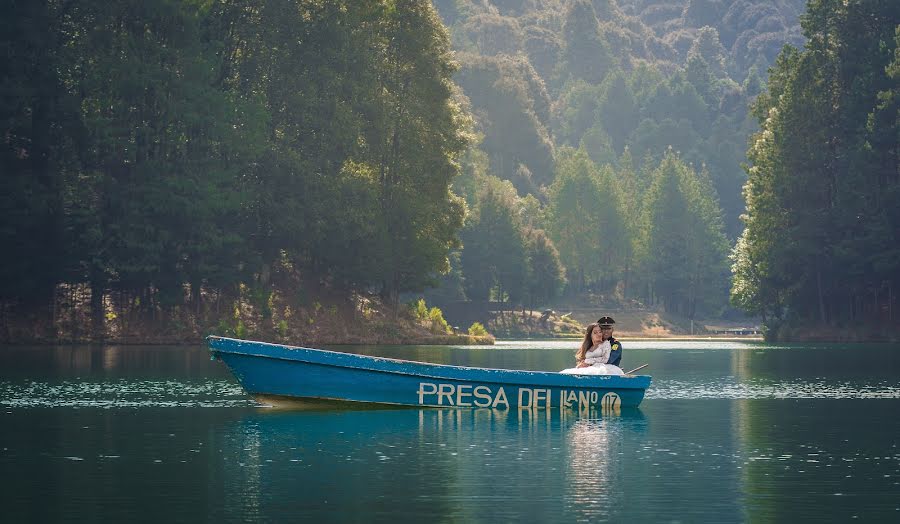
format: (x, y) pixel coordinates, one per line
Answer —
(821, 293)
(890, 302)
(195, 297)
(98, 315)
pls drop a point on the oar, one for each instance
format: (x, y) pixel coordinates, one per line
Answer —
(636, 369)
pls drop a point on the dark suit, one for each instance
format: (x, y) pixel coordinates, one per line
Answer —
(615, 356)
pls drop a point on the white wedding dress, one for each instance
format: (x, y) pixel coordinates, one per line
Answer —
(597, 357)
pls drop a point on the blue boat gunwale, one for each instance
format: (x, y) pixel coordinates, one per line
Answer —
(427, 370)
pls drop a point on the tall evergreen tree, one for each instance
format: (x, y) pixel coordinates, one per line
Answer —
(38, 128)
(494, 257)
(419, 144)
(573, 214)
(546, 274)
(587, 54)
(821, 195)
(587, 223)
(683, 249)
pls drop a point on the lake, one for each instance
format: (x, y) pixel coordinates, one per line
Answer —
(728, 432)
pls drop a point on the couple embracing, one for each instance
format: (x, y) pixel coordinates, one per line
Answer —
(600, 353)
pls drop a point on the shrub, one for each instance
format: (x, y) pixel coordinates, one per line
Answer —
(419, 310)
(477, 330)
(438, 324)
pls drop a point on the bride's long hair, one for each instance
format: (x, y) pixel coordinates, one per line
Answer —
(587, 344)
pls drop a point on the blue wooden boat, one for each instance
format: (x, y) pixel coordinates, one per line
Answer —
(275, 373)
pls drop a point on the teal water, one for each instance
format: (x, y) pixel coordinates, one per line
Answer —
(728, 432)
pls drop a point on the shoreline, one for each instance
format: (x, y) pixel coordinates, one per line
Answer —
(464, 340)
(460, 340)
(695, 337)
(438, 340)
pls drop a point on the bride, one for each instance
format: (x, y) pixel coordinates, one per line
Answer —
(593, 355)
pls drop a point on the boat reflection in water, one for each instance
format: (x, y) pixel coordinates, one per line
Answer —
(459, 463)
(594, 467)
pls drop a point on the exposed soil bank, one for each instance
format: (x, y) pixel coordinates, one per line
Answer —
(276, 316)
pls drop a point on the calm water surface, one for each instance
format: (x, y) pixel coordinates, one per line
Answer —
(728, 432)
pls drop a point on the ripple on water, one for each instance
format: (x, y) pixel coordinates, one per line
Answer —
(728, 388)
(224, 394)
(124, 394)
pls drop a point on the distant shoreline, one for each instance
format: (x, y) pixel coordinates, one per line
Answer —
(626, 337)
(749, 338)
(437, 340)
(448, 341)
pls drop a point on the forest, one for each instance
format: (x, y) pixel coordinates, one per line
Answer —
(821, 246)
(172, 159)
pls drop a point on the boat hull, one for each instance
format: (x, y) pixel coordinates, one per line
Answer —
(275, 373)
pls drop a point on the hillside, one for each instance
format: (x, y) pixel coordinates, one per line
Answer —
(543, 74)
(160, 158)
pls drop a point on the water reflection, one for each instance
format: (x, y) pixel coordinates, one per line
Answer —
(19, 362)
(111, 357)
(591, 463)
(243, 487)
(123, 393)
(436, 461)
(730, 387)
(727, 434)
(830, 448)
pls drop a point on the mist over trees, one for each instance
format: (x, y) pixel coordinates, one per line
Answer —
(652, 106)
(627, 122)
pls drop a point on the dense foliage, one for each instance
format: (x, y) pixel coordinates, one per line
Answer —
(821, 246)
(608, 75)
(163, 151)
(165, 147)
(583, 105)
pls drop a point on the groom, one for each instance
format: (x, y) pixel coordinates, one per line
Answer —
(606, 330)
